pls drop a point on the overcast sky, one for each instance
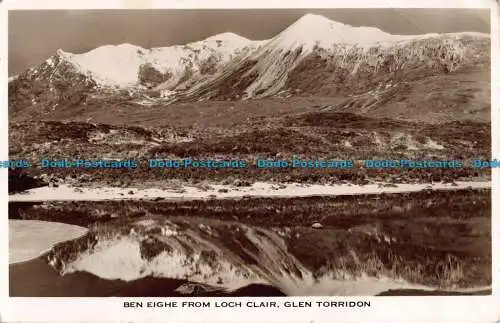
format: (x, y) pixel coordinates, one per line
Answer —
(35, 35)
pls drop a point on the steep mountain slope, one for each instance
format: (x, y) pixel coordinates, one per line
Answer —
(317, 56)
(53, 83)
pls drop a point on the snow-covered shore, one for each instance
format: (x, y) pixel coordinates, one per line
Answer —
(259, 189)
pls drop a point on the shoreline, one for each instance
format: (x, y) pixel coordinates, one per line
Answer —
(66, 192)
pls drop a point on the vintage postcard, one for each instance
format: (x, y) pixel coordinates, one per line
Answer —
(314, 161)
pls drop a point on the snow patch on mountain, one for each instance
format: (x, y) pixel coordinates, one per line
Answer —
(228, 42)
(119, 65)
(315, 30)
(12, 78)
(110, 64)
(346, 47)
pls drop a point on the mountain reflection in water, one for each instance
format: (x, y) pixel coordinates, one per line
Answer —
(177, 256)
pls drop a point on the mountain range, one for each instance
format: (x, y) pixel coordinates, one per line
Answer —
(371, 70)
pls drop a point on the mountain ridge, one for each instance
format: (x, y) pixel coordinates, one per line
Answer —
(314, 56)
(118, 65)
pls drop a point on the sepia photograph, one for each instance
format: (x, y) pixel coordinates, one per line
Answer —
(249, 152)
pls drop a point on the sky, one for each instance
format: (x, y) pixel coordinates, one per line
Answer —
(35, 35)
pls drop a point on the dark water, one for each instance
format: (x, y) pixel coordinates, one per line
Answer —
(35, 278)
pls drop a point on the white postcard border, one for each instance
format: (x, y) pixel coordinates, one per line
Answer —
(481, 309)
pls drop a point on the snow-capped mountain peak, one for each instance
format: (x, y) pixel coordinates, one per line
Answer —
(315, 30)
(61, 52)
(228, 39)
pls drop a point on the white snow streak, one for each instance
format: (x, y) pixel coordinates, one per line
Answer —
(259, 189)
